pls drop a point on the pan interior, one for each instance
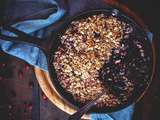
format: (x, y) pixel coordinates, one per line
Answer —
(118, 53)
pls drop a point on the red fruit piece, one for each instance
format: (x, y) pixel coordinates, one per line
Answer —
(20, 74)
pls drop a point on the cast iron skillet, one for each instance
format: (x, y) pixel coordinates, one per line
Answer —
(49, 46)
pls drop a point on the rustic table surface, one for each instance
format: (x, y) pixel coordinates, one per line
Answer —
(22, 99)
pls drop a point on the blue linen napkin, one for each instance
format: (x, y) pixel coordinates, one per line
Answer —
(124, 114)
(36, 57)
(26, 52)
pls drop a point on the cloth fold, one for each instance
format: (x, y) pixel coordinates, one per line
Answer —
(26, 52)
(124, 114)
(38, 27)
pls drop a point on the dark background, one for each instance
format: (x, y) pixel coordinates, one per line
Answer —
(20, 95)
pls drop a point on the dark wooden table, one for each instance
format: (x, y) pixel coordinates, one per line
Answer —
(20, 96)
(22, 99)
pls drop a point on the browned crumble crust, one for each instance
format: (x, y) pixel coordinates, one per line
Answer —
(85, 47)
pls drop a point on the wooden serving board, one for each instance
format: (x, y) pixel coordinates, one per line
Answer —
(50, 91)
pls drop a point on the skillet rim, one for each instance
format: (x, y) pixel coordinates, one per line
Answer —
(103, 109)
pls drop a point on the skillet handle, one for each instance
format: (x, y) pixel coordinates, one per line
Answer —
(77, 115)
(22, 37)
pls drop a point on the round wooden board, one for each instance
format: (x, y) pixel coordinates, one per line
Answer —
(49, 90)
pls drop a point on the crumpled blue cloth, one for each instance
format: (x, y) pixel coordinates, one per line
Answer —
(26, 52)
(124, 114)
(36, 57)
